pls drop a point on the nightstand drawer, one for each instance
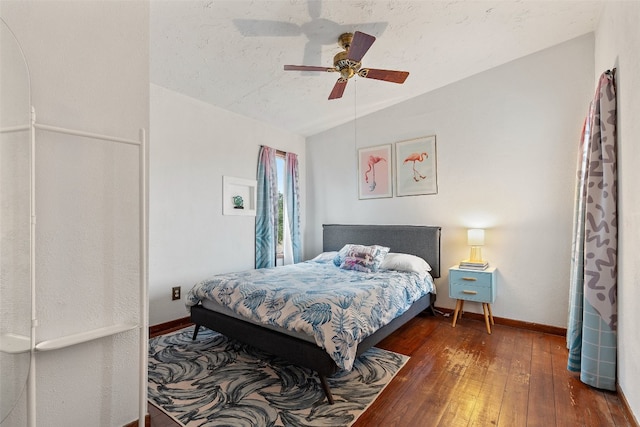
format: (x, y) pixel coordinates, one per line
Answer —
(471, 292)
(471, 277)
(472, 285)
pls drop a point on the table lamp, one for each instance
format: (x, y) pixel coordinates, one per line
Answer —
(475, 239)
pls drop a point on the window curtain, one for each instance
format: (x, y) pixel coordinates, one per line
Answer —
(266, 208)
(592, 325)
(292, 243)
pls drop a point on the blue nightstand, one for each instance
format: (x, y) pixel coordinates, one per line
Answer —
(473, 285)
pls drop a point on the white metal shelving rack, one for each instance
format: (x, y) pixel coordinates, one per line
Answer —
(24, 344)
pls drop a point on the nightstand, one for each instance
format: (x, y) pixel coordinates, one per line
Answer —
(473, 285)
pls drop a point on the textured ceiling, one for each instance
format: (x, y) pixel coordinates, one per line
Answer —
(231, 53)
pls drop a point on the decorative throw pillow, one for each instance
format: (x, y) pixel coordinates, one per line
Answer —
(363, 258)
(405, 262)
(341, 255)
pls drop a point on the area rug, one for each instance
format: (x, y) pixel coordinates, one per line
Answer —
(216, 381)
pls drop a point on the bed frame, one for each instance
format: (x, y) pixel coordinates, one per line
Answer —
(423, 241)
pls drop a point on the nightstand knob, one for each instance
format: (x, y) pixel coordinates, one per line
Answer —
(469, 279)
(464, 291)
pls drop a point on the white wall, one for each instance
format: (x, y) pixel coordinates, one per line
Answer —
(618, 45)
(506, 157)
(89, 66)
(15, 223)
(194, 145)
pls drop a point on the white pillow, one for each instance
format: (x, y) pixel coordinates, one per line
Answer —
(325, 256)
(405, 262)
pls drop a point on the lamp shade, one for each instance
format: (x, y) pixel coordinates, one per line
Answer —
(475, 237)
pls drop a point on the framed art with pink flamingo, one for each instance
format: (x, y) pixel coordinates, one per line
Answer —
(374, 172)
(416, 171)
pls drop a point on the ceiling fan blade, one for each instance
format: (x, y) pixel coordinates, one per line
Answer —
(360, 44)
(338, 89)
(307, 68)
(386, 75)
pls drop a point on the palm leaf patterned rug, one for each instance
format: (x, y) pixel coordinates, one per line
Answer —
(216, 381)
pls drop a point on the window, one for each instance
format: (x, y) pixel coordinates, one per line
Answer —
(280, 164)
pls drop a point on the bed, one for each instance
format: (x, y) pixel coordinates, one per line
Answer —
(297, 346)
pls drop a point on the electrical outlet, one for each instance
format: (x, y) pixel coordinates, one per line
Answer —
(175, 293)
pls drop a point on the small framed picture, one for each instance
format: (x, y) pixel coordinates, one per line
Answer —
(416, 171)
(374, 172)
(239, 196)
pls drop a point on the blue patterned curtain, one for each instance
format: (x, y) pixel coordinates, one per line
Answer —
(292, 242)
(593, 316)
(266, 209)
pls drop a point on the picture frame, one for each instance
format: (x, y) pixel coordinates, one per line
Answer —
(374, 172)
(239, 196)
(416, 166)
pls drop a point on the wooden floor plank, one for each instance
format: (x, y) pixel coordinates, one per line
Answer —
(565, 384)
(487, 408)
(513, 411)
(428, 363)
(466, 392)
(541, 406)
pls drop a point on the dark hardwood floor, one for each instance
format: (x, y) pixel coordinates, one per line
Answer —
(463, 376)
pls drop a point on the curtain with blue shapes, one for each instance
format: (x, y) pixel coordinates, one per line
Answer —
(593, 316)
(266, 208)
(292, 241)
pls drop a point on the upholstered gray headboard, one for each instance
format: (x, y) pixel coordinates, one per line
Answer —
(422, 241)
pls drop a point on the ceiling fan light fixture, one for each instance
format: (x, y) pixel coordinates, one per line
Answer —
(346, 74)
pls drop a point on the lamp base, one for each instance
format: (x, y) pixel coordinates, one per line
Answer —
(476, 255)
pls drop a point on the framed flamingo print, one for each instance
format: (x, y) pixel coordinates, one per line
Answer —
(416, 166)
(374, 172)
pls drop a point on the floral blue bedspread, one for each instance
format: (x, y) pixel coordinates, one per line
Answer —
(339, 308)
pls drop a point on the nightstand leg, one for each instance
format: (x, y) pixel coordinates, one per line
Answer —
(458, 310)
(490, 313)
(485, 308)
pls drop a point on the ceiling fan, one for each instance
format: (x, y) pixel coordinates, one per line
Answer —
(348, 64)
